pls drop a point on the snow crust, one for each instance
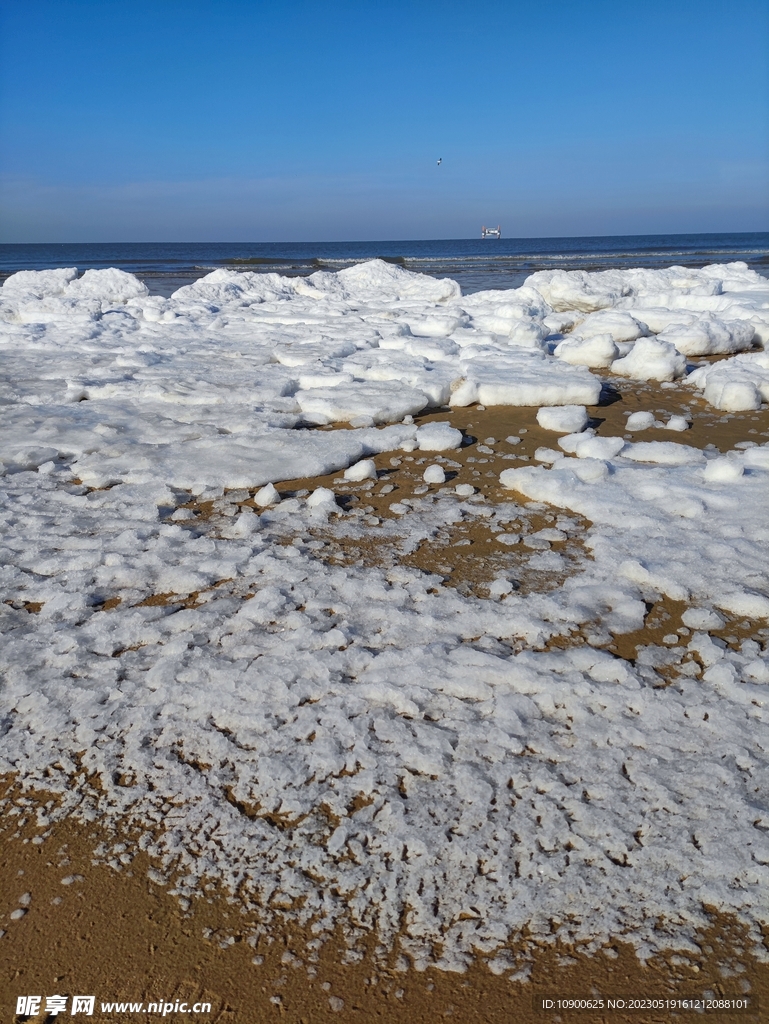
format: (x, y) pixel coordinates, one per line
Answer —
(369, 745)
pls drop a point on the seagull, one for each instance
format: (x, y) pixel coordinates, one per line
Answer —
(440, 160)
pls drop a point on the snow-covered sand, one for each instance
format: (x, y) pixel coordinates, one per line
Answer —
(363, 744)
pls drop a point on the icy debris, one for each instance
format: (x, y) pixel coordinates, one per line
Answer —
(666, 453)
(679, 423)
(365, 401)
(438, 437)
(651, 359)
(566, 419)
(434, 474)
(737, 384)
(618, 325)
(363, 470)
(744, 603)
(33, 285)
(266, 495)
(707, 335)
(322, 496)
(548, 455)
(501, 587)
(599, 447)
(733, 396)
(597, 351)
(702, 618)
(640, 421)
(723, 471)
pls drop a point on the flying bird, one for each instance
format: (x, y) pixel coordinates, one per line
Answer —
(440, 160)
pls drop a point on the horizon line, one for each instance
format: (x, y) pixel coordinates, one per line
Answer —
(372, 241)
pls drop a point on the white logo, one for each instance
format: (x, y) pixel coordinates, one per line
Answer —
(28, 1006)
(83, 1004)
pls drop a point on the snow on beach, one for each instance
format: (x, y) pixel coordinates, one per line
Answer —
(366, 744)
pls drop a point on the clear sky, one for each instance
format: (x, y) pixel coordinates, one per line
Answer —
(126, 120)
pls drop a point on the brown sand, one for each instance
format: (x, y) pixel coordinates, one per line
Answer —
(118, 935)
(92, 930)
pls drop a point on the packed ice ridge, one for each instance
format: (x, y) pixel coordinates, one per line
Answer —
(368, 745)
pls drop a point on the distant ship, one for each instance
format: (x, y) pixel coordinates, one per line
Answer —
(491, 232)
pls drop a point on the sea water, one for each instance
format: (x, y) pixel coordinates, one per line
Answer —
(475, 263)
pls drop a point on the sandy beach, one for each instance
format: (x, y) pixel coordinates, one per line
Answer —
(377, 652)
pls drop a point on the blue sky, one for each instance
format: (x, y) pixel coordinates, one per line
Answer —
(228, 120)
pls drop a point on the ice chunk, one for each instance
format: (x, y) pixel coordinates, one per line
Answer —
(500, 587)
(640, 421)
(596, 351)
(381, 282)
(379, 401)
(32, 458)
(266, 495)
(569, 442)
(744, 603)
(641, 289)
(665, 453)
(37, 284)
(547, 455)
(465, 490)
(651, 359)
(588, 470)
(434, 474)
(322, 497)
(599, 447)
(569, 290)
(737, 384)
(702, 618)
(614, 323)
(723, 471)
(679, 423)
(733, 395)
(438, 437)
(758, 457)
(108, 285)
(524, 378)
(436, 327)
(565, 419)
(708, 335)
(323, 378)
(363, 470)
